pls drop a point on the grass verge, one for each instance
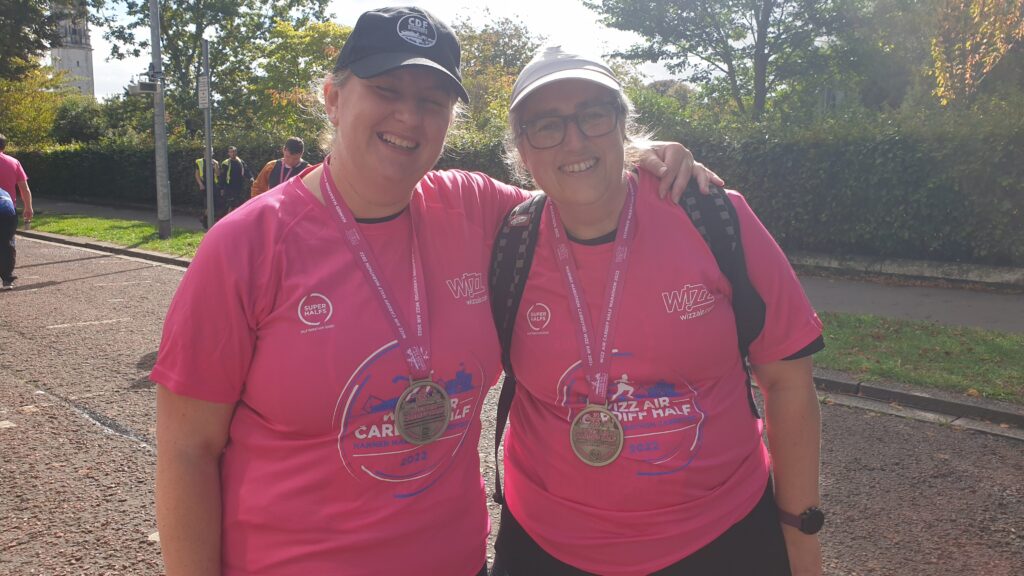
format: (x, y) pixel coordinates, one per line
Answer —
(128, 233)
(965, 360)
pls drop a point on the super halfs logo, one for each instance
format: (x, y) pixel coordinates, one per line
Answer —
(693, 301)
(538, 317)
(315, 311)
(469, 287)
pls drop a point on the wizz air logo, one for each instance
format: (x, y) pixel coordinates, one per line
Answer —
(693, 300)
(469, 287)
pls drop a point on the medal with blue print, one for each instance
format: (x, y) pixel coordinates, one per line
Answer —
(596, 435)
(423, 411)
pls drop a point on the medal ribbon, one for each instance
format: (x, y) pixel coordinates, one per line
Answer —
(416, 345)
(597, 363)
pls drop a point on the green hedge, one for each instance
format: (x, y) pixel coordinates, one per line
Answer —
(123, 174)
(949, 191)
(948, 187)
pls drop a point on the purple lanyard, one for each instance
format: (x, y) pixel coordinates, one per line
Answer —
(285, 175)
(416, 347)
(596, 366)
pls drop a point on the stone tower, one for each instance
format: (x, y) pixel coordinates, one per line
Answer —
(75, 56)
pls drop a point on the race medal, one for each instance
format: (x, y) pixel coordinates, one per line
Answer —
(423, 412)
(596, 436)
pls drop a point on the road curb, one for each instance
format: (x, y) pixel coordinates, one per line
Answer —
(833, 382)
(986, 410)
(1000, 277)
(107, 247)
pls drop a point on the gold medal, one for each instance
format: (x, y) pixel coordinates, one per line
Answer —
(423, 412)
(596, 436)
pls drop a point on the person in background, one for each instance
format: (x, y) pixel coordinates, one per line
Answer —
(8, 226)
(633, 447)
(234, 178)
(325, 359)
(280, 170)
(14, 180)
(200, 176)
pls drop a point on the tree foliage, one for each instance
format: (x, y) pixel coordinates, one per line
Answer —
(974, 37)
(239, 33)
(492, 57)
(28, 28)
(78, 119)
(29, 105)
(283, 93)
(746, 48)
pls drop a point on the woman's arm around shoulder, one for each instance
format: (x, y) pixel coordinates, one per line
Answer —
(191, 434)
(793, 420)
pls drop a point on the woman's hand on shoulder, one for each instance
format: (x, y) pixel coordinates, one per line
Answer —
(674, 164)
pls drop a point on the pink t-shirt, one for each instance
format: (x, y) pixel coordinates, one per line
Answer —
(11, 173)
(275, 315)
(693, 462)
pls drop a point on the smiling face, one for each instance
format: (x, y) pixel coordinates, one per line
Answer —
(582, 171)
(389, 131)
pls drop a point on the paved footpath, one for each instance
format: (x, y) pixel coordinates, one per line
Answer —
(1003, 312)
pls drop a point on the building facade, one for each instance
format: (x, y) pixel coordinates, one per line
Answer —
(75, 55)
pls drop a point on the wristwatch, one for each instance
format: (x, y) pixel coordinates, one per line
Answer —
(809, 521)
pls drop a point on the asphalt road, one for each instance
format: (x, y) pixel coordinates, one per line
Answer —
(77, 450)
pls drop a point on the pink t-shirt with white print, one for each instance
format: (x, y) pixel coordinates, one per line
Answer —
(275, 315)
(693, 462)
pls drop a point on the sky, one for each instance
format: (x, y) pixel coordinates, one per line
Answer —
(564, 20)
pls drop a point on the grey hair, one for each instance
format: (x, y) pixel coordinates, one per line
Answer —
(635, 139)
(339, 78)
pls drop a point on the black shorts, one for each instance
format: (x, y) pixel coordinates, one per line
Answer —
(752, 546)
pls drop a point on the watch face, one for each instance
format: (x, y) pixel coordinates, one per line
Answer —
(811, 521)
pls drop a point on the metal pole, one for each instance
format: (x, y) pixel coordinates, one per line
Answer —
(208, 132)
(163, 185)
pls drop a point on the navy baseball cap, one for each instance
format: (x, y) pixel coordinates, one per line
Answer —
(390, 38)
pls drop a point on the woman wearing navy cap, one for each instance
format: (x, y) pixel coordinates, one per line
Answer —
(325, 358)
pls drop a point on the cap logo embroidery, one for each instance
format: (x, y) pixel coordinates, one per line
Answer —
(417, 30)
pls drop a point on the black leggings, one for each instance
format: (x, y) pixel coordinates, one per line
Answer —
(8, 253)
(752, 546)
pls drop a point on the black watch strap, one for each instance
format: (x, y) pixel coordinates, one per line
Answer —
(809, 521)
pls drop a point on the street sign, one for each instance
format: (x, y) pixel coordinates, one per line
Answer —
(204, 92)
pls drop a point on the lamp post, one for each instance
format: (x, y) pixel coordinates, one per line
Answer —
(156, 75)
(204, 105)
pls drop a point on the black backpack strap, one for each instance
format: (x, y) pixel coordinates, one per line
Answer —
(715, 218)
(510, 266)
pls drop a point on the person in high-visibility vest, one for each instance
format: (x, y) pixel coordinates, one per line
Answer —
(280, 170)
(200, 176)
(235, 176)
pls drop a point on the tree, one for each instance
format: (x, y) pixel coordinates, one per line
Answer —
(28, 28)
(282, 96)
(492, 57)
(29, 105)
(974, 38)
(238, 31)
(754, 47)
(78, 119)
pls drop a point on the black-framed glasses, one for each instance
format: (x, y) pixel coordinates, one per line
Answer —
(593, 120)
